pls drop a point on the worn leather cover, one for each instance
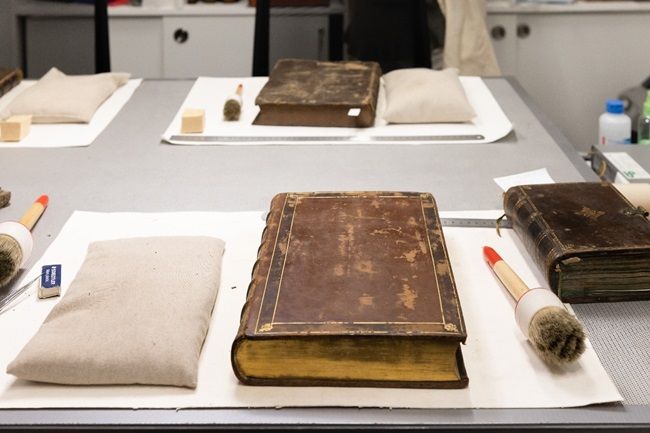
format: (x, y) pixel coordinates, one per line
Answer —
(564, 225)
(9, 78)
(341, 264)
(313, 93)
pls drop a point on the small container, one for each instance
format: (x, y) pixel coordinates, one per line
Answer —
(614, 126)
(643, 129)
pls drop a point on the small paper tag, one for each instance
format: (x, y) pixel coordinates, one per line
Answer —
(354, 112)
(627, 165)
(50, 284)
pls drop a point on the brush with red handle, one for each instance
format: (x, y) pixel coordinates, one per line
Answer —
(16, 240)
(556, 335)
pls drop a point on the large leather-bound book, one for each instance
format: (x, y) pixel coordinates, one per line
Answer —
(303, 92)
(591, 243)
(9, 78)
(352, 289)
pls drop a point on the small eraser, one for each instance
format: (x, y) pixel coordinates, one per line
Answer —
(50, 284)
(15, 128)
(193, 120)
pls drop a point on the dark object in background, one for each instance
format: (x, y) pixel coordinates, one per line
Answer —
(634, 97)
(394, 33)
(102, 50)
(261, 42)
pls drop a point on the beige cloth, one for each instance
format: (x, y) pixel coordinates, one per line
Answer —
(61, 98)
(467, 42)
(637, 193)
(137, 312)
(421, 95)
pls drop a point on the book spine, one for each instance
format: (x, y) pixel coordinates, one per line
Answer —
(539, 240)
(263, 255)
(258, 277)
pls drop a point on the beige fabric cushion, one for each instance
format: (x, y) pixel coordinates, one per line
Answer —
(422, 95)
(136, 313)
(61, 98)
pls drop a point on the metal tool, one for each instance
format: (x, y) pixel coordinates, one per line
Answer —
(7, 302)
(476, 222)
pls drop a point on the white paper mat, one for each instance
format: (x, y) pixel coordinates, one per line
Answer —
(503, 371)
(70, 134)
(210, 93)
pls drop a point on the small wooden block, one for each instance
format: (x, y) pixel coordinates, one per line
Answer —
(15, 128)
(193, 120)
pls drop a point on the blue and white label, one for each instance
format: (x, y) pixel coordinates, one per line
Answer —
(51, 276)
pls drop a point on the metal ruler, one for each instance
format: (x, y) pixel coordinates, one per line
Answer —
(475, 222)
(320, 139)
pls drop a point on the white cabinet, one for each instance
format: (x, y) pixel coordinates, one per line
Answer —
(214, 46)
(570, 63)
(136, 46)
(502, 30)
(212, 39)
(185, 42)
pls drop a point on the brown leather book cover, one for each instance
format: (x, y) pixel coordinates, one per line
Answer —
(352, 289)
(314, 93)
(9, 78)
(591, 243)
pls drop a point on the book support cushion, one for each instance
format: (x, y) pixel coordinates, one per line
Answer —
(61, 98)
(420, 95)
(137, 312)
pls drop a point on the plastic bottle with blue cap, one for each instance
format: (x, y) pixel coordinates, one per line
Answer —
(614, 126)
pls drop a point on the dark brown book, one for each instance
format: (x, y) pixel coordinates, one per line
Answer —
(9, 78)
(591, 243)
(313, 93)
(352, 289)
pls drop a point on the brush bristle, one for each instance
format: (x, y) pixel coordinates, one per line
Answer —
(231, 110)
(10, 257)
(556, 335)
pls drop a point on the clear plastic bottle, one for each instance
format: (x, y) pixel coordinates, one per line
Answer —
(643, 129)
(614, 126)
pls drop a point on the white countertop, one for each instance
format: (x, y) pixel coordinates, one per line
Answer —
(241, 8)
(514, 7)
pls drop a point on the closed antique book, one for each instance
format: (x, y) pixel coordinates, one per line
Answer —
(352, 289)
(591, 243)
(313, 93)
(9, 78)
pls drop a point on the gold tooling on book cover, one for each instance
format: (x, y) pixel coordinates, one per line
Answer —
(297, 198)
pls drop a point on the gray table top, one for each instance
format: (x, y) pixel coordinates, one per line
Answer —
(128, 169)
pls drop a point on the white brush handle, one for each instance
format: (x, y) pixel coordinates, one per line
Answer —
(530, 303)
(235, 97)
(21, 234)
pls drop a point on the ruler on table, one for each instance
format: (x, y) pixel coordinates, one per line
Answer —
(475, 222)
(337, 138)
